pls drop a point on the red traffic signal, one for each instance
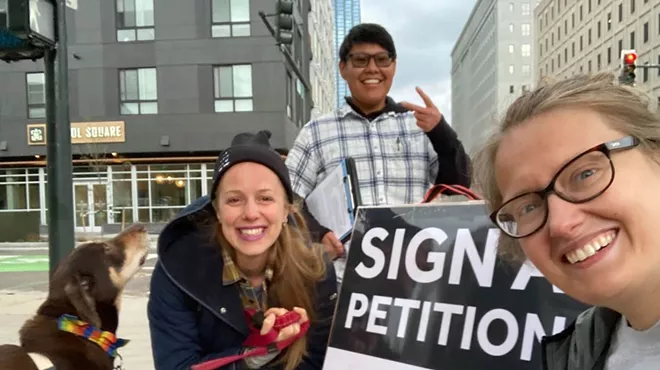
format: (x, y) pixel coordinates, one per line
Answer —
(630, 58)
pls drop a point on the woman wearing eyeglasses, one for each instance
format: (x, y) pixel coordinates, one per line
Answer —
(572, 179)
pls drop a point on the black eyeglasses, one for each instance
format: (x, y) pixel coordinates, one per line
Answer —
(582, 179)
(361, 60)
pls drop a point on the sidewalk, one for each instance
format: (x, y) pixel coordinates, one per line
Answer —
(16, 307)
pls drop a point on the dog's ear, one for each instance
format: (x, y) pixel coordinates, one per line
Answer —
(79, 291)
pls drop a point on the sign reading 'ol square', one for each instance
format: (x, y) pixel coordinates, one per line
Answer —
(82, 133)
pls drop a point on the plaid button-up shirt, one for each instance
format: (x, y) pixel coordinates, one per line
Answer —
(251, 297)
(395, 160)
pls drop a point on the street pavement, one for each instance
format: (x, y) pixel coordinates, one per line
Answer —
(24, 286)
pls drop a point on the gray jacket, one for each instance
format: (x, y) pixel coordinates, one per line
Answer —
(584, 344)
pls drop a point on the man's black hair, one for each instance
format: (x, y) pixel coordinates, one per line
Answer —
(367, 33)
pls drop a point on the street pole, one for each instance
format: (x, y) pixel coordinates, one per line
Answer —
(58, 128)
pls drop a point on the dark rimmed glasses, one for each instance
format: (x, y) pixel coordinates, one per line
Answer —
(583, 178)
(361, 60)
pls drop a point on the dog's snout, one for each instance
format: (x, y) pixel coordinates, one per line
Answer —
(139, 228)
(134, 229)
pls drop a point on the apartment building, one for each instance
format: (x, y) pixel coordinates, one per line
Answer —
(322, 67)
(588, 36)
(157, 90)
(492, 63)
(347, 15)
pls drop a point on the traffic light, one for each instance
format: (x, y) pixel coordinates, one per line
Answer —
(628, 66)
(284, 22)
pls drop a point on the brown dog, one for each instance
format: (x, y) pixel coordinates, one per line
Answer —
(87, 285)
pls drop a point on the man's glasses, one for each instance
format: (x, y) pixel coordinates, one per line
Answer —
(361, 60)
(584, 178)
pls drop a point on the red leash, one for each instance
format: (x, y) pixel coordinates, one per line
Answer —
(264, 344)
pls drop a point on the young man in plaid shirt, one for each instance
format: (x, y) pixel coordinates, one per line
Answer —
(400, 149)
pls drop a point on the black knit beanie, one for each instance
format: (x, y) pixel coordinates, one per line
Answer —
(248, 147)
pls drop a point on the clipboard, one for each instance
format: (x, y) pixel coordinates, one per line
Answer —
(340, 186)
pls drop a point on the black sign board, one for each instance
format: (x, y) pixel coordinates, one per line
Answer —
(424, 288)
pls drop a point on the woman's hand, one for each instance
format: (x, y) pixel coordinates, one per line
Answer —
(288, 331)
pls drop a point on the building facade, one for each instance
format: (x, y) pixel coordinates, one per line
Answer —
(347, 15)
(492, 64)
(157, 90)
(588, 36)
(322, 68)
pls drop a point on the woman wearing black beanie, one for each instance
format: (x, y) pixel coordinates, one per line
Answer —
(237, 259)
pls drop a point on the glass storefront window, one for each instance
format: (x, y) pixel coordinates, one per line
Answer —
(122, 196)
(162, 190)
(13, 190)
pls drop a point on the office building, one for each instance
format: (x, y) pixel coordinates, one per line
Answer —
(589, 36)
(322, 67)
(157, 90)
(491, 66)
(347, 15)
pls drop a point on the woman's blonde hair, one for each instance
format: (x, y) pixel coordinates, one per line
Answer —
(298, 265)
(624, 108)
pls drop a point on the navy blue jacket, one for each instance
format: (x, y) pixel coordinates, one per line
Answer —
(194, 318)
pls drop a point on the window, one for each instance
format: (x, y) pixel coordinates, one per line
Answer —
(525, 9)
(609, 56)
(598, 30)
(589, 37)
(581, 43)
(620, 12)
(632, 6)
(525, 88)
(632, 39)
(138, 91)
(526, 29)
(620, 46)
(511, 28)
(609, 21)
(511, 7)
(526, 70)
(646, 32)
(598, 62)
(581, 13)
(36, 95)
(289, 95)
(526, 50)
(511, 89)
(510, 48)
(512, 69)
(135, 20)
(3, 13)
(231, 18)
(232, 88)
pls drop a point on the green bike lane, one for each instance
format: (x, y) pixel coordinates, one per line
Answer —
(24, 263)
(39, 262)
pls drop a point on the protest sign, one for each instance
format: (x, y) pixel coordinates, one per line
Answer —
(423, 289)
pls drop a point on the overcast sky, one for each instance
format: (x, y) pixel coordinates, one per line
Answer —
(424, 35)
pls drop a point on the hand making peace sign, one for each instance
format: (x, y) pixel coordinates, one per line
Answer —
(427, 117)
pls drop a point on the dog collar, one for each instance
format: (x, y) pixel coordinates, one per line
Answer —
(104, 339)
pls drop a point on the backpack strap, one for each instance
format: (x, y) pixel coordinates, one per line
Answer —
(440, 189)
